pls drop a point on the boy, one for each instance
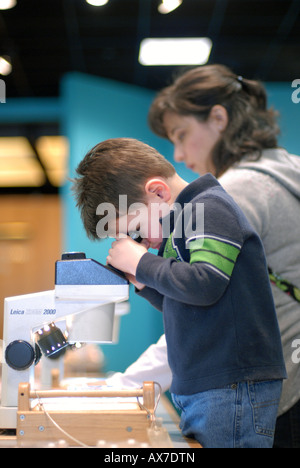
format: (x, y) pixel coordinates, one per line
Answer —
(210, 281)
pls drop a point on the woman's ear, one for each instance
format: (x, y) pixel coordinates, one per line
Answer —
(157, 190)
(218, 116)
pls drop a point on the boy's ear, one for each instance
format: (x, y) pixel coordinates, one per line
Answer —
(158, 190)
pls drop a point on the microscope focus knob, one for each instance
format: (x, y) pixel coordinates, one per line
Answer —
(19, 355)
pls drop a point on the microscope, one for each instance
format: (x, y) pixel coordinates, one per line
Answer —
(81, 309)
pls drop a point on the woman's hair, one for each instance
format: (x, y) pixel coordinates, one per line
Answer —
(119, 166)
(251, 126)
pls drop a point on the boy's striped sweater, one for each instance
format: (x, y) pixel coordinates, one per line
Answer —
(213, 287)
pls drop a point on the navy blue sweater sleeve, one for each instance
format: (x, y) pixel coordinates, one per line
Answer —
(191, 284)
(153, 296)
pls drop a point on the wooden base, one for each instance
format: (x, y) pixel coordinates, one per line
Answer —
(82, 427)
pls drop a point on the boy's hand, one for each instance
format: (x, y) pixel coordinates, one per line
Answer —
(125, 255)
(133, 281)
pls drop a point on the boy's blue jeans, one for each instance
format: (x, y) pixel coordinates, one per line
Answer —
(241, 415)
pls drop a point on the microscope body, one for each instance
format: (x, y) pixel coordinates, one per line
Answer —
(82, 303)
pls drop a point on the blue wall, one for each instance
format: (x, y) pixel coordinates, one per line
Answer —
(280, 97)
(94, 110)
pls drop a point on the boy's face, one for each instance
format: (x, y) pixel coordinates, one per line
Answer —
(144, 221)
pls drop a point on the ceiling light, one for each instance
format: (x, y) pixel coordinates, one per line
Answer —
(168, 5)
(18, 165)
(5, 66)
(15, 147)
(175, 51)
(54, 152)
(97, 2)
(7, 4)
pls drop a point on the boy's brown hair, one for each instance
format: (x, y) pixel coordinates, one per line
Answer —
(119, 166)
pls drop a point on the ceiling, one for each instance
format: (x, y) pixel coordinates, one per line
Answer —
(45, 39)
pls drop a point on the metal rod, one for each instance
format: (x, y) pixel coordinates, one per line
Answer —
(89, 393)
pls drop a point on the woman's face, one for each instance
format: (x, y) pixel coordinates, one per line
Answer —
(193, 141)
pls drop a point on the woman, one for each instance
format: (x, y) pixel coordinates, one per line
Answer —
(219, 123)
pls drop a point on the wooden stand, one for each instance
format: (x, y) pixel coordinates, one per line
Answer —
(85, 427)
